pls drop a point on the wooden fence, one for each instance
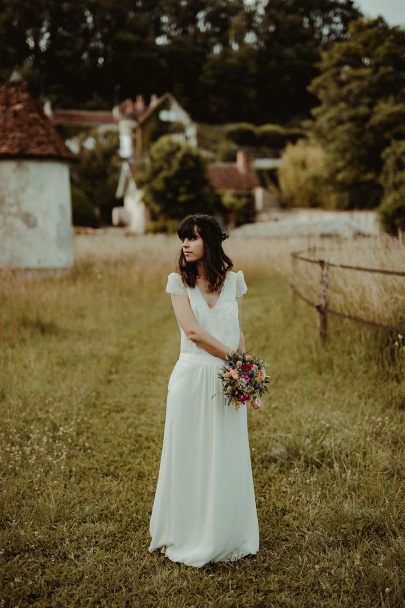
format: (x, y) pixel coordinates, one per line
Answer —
(323, 306)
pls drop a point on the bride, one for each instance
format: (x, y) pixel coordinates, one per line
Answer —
(204, 508)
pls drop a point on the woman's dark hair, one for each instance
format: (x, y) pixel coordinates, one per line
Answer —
(217, 263)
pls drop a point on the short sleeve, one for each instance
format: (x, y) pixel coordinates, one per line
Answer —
(175, 284)
(241, 287)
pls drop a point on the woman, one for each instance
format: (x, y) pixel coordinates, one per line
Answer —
(204, 508)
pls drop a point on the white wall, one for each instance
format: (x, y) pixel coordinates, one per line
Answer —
(35, 214)
(136, 209)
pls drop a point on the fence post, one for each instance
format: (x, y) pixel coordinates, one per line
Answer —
(324, 300)
(293, 271)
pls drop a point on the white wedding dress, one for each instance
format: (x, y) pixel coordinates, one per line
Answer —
(204, 508)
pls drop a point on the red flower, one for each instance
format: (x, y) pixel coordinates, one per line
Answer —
(247, 366)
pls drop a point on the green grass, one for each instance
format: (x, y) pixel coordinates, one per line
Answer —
(85, 361)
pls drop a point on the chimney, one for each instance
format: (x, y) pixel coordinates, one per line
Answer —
(153, 100)
(47, 108)
(15, 76)
(139, 104)
(242, 161)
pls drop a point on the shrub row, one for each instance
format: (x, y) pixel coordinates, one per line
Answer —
(269, 135)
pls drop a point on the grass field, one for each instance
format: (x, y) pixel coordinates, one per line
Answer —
(85, 361)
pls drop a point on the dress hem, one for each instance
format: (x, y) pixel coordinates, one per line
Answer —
(232, 556)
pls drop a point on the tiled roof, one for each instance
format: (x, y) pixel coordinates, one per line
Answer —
(83, 117)
(127, 109)
(25, 131)
(227, 176)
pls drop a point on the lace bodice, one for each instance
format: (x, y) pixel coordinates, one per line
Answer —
(222, 320)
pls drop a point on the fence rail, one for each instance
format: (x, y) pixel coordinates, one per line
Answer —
(323, 306)
(297, 255)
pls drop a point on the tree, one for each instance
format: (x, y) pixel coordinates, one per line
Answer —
(94, 179)
(225, 60)
(392, 209)
(301, 176)
(291, 35)
(84, 213)
(361, 91)
(78, 52)
(234, 74)
(175, 182)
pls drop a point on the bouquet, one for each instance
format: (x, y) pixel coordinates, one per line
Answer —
(244, 379)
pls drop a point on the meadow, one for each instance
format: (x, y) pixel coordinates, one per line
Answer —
(85, 360)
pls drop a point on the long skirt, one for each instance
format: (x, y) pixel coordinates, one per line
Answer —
(204, 508)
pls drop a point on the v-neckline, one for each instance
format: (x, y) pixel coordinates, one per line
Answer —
(219, 297)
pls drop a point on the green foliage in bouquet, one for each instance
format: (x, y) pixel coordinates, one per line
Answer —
(244, 379)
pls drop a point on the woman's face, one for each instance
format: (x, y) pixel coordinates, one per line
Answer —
(193, 248)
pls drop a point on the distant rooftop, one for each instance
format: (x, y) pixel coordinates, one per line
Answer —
(128, 109)
(25, 131)
(239, 177)
(83, 117)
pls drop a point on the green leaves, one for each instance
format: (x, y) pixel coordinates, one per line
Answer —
(361, 108)
(175, 181)
(94, 180)
(392, 208)
(225, 61)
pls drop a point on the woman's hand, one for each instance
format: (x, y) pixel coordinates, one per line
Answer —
(256, 403)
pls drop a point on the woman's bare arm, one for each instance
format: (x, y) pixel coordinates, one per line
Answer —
(187, 321)
(242, 343)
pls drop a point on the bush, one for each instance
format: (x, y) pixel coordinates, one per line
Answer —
(293, 134)
(277, 137)
(269, 138)
(301, 176)
(391, 211)
(175, 181)
(96, 176)
(157, 226)
(232, 202)
(83, 212)
(242, 134)
(227, 151)
(210, 136)
(272, 136)
(238, 210)
(160, 129)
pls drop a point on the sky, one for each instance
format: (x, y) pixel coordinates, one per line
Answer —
(393, 11)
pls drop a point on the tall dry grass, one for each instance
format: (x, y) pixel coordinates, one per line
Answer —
(374, 296)
(85, 360)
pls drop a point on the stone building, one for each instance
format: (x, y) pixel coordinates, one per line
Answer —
(35, 196)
